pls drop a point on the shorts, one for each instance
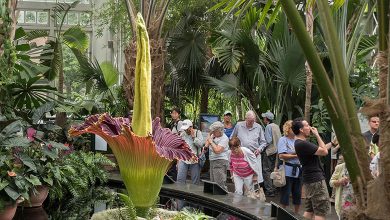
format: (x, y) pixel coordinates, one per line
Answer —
(317, 198)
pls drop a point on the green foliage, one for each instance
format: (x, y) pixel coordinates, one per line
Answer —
(113, 15)
(268, 12)
(15, 181)
(131, 212)
(187, 50)
(320, 117)
(268, 66)
(80, 187)
(364, 83)
(30, 93)
(190, 215)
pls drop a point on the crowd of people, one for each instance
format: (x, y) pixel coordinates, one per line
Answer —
(250, 152)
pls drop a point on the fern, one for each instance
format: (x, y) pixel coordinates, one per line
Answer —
(80, 185)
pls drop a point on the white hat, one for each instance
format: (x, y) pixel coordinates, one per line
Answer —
(185, 125)
(268, 115)
(227, 112)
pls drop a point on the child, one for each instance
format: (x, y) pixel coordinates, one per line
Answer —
(344, 199)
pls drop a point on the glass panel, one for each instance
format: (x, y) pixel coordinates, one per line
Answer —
(43, 17)
(30, 17)
(85, 18)
(58, 21)
(73, 18)
(21, 17)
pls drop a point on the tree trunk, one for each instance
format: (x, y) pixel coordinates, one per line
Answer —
(8, 27)
(204, 100)
(60, 116)
(239, 108)
(309, 74)
(157, 54)
(129, 76)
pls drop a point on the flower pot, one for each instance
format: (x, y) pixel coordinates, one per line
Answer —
(8, 212)
(38, 198)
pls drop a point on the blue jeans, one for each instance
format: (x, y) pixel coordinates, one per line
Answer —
(294, 186)
(182, 171)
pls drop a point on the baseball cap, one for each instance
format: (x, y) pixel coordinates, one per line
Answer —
(268, 115)
(185, 125)
(227, 113)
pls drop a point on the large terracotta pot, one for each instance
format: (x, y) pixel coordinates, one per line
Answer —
(38, 198)
(8, 212)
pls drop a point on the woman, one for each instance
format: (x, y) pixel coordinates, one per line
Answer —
(287, 153)
(218, 144)
(243, 165)
(344, 199)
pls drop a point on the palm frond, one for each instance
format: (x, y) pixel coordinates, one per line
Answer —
(229, 84)
(30, 94)
(76, 37)
(35, 34)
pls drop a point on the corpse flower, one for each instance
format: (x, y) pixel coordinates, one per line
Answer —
(143, 161)
(145, 150)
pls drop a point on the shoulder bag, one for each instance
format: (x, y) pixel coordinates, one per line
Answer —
(279, 175)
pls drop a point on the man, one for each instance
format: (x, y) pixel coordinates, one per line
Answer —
(227, 121)
(268, 156)
(175, 123)
(317, 203)
(251, 136)
(194, 139)
(373, 122)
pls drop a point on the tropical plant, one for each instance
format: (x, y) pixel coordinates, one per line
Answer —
(81, 186)
(261, 63)
(187, 51)
(154, 14)
(320, 118)
(190, 215)
(15, 181)
(341, 107)
(74, 38)
(43, 158)
(143, 159)
(101, 81)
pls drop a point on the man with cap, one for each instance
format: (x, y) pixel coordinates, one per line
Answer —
(227, 121)
(272, 135)
(194, 139)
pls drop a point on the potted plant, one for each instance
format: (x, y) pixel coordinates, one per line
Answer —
(15, 181)
(44, 163)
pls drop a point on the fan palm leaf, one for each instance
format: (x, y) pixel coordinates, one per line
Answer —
(30, 94)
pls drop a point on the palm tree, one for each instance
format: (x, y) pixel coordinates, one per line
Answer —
(74, 38)
(262, 64)
(309, 74)
(341, 107)
(154, 13)
(8, 22)
(188, 52)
